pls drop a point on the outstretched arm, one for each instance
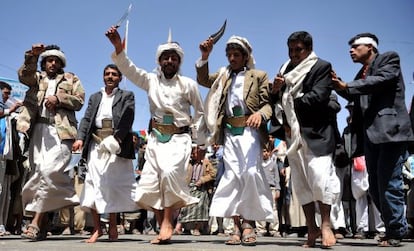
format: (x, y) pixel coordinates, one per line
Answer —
(115, 38)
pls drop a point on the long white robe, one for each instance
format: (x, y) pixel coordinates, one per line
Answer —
(162, 182)
(315, 177)
(243, 189)
(50, 187)
(110, 184)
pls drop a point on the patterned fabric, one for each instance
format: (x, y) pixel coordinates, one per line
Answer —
(199, 211)
(69, 91)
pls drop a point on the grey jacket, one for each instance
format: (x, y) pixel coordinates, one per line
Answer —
(380, 109)
(123, 110)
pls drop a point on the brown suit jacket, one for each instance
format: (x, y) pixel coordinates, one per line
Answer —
(256, 96)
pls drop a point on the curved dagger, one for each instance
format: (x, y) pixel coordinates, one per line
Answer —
(216, 36)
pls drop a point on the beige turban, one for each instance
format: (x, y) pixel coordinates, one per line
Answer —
(56, 53)
(246, 46)
(170, 46)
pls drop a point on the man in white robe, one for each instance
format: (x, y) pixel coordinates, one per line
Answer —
(301, 94)
(48, 118)
(105, 134)
(237, 119)
(162, 187)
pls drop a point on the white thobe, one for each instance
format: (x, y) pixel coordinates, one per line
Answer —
(50, 187)
(243, 189)
(110, 184)
(162, 182)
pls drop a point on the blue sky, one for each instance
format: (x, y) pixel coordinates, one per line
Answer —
(78, 27)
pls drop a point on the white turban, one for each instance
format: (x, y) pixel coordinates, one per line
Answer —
(56, 53)
(365, 40)
(170, 46)
(246, 47)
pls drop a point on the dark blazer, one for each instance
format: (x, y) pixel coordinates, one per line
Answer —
(380, 109)
(313, 111)
(123, 110)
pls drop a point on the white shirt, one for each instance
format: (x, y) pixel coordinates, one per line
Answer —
(105, 107)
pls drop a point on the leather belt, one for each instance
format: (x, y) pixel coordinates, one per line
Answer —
(44, 120)
(237, 121)
(169, 128)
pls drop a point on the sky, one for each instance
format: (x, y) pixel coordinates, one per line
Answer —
(78, 27)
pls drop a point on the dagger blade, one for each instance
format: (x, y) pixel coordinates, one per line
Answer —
(124, 16)
(216, 36)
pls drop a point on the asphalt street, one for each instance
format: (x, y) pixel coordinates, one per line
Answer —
(182, 242)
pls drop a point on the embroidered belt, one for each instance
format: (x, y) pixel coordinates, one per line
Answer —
(239, 121)
(169, 128)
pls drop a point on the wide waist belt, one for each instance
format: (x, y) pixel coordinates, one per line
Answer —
(44, 120)
(104, 132)
(236, 121)
(169, 128)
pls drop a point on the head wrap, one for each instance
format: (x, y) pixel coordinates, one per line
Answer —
(56, 53)
(246, 47)
(365, 40)
(169, 46)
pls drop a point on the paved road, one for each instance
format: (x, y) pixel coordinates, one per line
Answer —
(183, 242)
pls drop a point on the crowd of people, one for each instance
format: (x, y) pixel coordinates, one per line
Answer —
(257, 157)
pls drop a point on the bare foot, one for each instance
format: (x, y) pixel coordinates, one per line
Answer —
(166, 232)
(328, 237)
(312, 236)
(158, 241)
(94, 237)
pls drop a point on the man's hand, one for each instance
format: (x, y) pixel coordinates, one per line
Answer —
(206, 47)
(276, 195)
(339, 85)
(115, 38)
(37, 49)
(278, 83)
(77, 145)
(51, 102)
(254, 120)
(15, 106)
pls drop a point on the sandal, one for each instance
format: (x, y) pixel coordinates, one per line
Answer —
(248, 239)
(33, 233)
(389, 243)
(4, 233)
(234, 239)
(196, 232)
